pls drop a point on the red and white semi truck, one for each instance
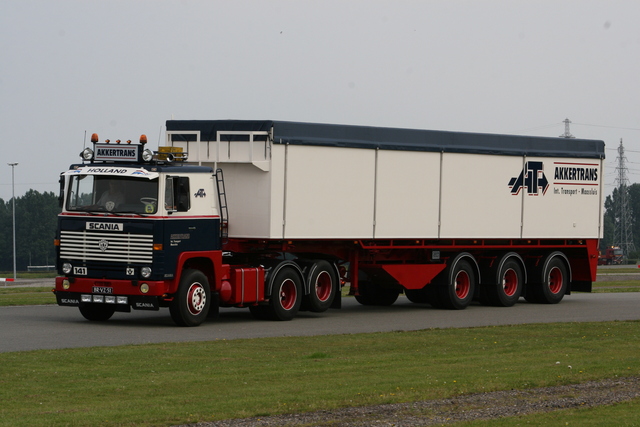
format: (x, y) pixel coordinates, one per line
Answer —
(276, 216)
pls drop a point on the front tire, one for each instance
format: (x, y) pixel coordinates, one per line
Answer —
(191, 304)
(97, 312)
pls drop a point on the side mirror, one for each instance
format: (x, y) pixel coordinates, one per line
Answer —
(61, 194)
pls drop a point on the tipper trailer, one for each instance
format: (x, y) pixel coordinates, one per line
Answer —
(278, 216)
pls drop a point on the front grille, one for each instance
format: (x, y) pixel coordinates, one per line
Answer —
(95, 246)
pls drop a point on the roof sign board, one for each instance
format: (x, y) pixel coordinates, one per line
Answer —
(116, 153)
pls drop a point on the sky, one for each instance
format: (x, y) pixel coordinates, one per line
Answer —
(121, 68)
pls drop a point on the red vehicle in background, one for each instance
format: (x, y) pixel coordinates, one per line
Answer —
(612, 256)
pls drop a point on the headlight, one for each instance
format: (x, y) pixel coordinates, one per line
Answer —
(144, 288)
(147, 155)
(87, 154)
(145, 272)
(66, 268)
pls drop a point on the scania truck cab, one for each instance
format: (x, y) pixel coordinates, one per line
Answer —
(133, 225)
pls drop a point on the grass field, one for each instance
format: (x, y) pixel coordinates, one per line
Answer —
(168, 384)
(29, 274)
(174, 383)
(26, 296)
(620, 415)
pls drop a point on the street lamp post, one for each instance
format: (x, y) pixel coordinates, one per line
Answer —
(13, 196)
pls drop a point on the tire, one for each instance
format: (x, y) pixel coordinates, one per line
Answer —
(508, 287)
(97, 312)
(214, 307)
(456, 293)
(555, 281)
(373, 294)
(285, 297)
(259, 312)
(417, 296)
(192, 302)
(323, 285)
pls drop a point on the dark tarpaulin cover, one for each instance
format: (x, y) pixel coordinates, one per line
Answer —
(296, 133)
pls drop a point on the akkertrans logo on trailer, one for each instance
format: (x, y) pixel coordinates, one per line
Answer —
(532, 179)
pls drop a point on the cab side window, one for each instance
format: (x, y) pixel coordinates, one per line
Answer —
(182, 194)
(177, 196)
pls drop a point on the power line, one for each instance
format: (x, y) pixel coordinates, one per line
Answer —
(604, 126)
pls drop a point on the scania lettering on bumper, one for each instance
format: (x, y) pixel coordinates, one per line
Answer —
(74, 299)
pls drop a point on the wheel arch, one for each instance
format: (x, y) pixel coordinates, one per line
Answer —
(307, 268)
(563, 258)
(516, 256)
(271, 271)
(208, 263)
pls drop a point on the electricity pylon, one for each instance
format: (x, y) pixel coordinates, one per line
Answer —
(623, 234)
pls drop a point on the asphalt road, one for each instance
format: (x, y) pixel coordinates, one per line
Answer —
(52, 327)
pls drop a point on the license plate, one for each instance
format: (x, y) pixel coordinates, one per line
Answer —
(102, 290)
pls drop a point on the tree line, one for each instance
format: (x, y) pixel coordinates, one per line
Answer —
(612, 213)
(36, 219)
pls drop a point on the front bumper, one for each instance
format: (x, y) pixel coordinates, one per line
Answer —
(122, 294)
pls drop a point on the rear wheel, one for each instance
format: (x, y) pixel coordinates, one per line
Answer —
(97, 312)
(374, 294)
(285, 297)
(457, 292)
(191, 304)
(323, 284)
(555, 281)
(508, 288)
(417, 296)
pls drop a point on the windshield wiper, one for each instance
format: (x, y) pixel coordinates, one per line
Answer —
(119, 213)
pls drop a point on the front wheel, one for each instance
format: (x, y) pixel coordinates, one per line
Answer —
(192, 301)
(97, 312)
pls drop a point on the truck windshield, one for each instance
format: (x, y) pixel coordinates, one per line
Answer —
(112, 194)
